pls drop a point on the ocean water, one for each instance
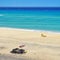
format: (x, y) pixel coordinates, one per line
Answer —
(31, 18)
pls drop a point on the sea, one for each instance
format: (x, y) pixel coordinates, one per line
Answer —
(33, 18)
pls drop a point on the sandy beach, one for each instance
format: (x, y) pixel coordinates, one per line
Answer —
(37, 46)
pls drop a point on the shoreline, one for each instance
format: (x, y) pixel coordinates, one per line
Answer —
(30, 30)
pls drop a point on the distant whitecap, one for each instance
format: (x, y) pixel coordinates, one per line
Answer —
(1, 15)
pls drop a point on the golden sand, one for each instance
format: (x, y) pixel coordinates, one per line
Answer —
(37, 46)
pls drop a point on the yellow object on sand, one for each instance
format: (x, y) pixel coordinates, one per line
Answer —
(43, 35)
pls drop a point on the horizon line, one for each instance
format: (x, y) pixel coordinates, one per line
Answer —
(32, 7)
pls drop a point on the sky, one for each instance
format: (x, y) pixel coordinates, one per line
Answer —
(29, 3)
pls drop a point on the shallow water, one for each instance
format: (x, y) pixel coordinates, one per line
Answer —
(31, 18)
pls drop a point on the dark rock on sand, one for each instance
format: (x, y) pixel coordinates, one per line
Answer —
(18, 51)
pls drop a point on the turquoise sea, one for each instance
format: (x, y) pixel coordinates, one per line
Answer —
(37, 18)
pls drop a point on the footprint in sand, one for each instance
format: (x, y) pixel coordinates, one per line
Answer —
(2, 47)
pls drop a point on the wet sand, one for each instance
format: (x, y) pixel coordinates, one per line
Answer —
(6, 57)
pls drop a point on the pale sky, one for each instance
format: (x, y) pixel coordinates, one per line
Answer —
(29, 3)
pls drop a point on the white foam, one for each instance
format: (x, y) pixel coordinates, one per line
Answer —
(19, 29)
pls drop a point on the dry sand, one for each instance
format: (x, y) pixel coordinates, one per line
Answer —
(37, 47)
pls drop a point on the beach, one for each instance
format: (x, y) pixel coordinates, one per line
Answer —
(37, 46)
